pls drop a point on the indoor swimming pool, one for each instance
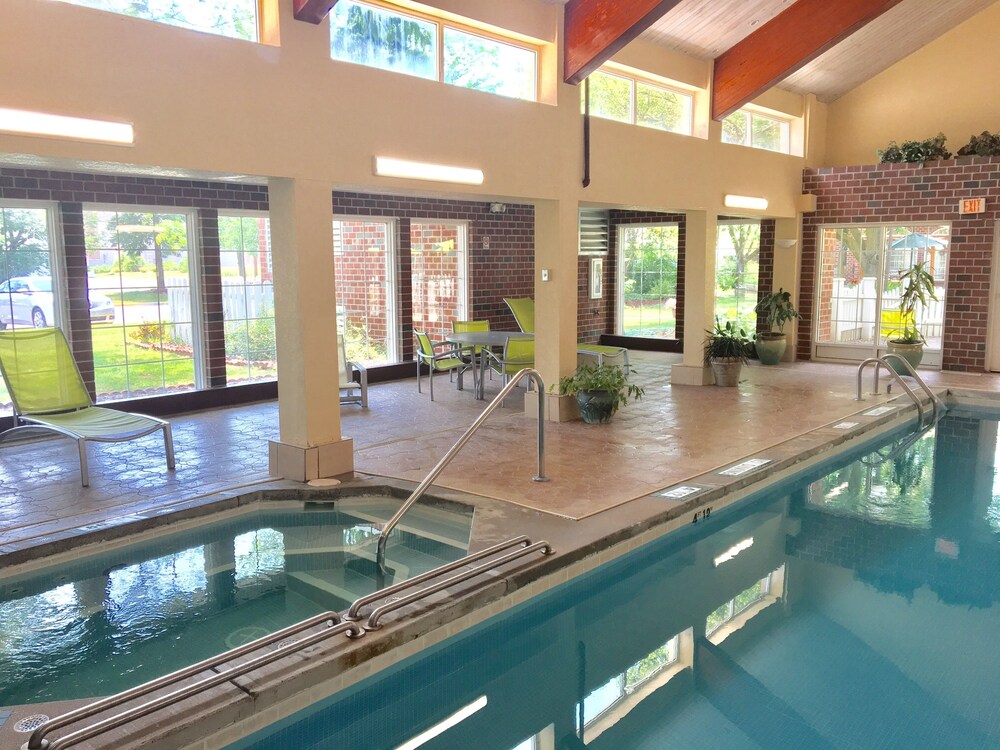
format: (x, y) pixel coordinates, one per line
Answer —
(110, 621)
(853, 607)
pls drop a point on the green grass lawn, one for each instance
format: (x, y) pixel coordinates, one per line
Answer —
(136, 297)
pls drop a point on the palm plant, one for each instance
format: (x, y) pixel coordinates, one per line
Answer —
(917, 288)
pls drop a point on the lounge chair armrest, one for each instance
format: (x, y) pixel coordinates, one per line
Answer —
(360, 368)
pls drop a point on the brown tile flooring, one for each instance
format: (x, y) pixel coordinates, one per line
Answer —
(674, 433)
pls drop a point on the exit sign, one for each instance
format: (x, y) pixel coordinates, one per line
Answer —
(972, 206)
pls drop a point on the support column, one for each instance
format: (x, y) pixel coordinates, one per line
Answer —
(787, 255)
(77, 323)
(213, 334)
(556, 251)
(699, 297)
(310, 444)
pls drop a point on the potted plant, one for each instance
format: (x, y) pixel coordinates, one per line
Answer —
(727, 349)
(777, 310)
(600, 390)
(916, 287)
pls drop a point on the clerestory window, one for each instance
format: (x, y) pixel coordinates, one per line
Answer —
(233, 18)
(747, 128)
(626, 98)
(383, 37)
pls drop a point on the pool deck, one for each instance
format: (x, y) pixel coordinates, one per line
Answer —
(597, 504)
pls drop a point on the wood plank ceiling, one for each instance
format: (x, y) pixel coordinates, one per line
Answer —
(706, 28)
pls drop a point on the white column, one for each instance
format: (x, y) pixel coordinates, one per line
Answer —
(556, 262)
(310, 444)
(699, 296)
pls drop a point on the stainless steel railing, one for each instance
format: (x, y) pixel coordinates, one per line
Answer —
(883, 361)
(429, 479)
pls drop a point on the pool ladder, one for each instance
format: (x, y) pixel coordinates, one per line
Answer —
(883, 361)
(333, 622)
(528, 373)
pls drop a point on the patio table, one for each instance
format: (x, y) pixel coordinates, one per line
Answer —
(488, 339)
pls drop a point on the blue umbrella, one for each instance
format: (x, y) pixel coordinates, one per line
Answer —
(918, 241)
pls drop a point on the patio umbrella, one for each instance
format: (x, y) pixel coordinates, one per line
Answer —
(918, 241)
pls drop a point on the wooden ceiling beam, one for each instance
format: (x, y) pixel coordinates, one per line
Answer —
(797, 35)
(597, 29)
(312, 11)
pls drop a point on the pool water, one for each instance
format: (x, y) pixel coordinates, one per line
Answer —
(855, 607)
(105, 623)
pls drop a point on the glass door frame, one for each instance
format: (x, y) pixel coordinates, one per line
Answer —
(392, 294)
(620, 275)
(846, 352)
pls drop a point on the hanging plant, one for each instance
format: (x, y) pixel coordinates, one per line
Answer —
(930, 149)
(984, 144)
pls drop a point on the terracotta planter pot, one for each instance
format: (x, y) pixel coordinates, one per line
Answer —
(770, 347)
(727, 370)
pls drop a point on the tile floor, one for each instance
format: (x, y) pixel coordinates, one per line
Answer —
(674, 433)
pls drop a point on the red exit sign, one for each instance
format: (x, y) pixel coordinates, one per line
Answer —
(972, 206)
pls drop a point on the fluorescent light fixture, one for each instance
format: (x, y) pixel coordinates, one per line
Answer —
(59, 126)
(443, 726)
(733, 551)
(415, 170)
(745, 201)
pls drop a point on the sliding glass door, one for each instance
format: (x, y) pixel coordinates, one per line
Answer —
(857, 297)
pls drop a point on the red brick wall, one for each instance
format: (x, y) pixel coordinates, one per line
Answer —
(501, 249)
(912, 193)
(765, 265)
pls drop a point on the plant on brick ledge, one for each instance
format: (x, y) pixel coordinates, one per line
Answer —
(984, 144)
(930, 149)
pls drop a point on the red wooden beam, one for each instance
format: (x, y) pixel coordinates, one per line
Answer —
(596, 29)
(313, 11)
(798, 34)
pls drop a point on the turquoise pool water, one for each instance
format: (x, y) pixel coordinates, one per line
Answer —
(856, 607)
(107, 622)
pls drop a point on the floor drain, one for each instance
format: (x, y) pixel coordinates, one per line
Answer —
(244, 635)
(30, 723)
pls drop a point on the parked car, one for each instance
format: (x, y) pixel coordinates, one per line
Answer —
(28, 301)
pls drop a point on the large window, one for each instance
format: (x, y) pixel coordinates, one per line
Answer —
(29, 296)
(247, 298)
(747, 128)
(440, 273)
(383, 37)
(233, 18)
(364, 257)
(647, 279)
(857, 301)
(140, 265)
(736, 272)
(616, 96)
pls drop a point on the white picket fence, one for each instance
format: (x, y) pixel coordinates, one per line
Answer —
(239, 301)
(853, 313)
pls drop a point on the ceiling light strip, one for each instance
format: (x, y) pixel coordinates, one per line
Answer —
(60, 126)
(416, 170)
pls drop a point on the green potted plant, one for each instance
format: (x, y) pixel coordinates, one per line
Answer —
(727, 349)
(777, 309)
(916, 287)
(600, 390)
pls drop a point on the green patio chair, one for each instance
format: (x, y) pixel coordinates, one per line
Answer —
(474, 352)
(518, 354)
(523, 309)
(446, 361)
(49, 394)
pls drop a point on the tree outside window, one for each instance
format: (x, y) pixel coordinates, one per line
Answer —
(232, 18)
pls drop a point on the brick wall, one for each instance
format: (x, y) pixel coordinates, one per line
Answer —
(597, 316)
(911, 193)
(501, 249)
(765, 265)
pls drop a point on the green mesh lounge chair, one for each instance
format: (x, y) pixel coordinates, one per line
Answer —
(447, 361)
(523, 309)
(48, 393)
(474, 352)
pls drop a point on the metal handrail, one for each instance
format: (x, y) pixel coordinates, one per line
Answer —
(37, 740)
(353, 613)
(884, 362)
(429, 479)
(377, 613)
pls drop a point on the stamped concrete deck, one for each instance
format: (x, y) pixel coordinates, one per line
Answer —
(674, 433)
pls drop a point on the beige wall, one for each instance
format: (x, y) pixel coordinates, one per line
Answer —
(948, 86)
(202, 102)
